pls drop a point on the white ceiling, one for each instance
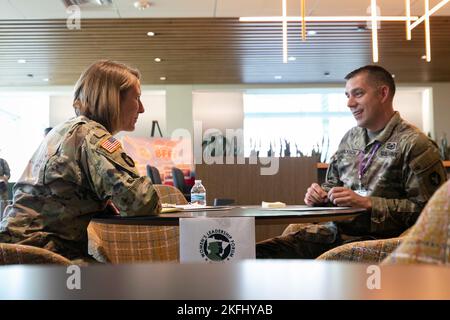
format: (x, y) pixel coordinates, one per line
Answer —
(54, 9)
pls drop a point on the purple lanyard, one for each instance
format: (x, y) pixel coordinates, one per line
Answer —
(364, 164)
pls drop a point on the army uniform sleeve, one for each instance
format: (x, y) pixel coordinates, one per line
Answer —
(423, 174)
(113, 176)
(332, 176)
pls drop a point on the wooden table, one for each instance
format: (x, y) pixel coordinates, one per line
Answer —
(251, 279)
(271, 217)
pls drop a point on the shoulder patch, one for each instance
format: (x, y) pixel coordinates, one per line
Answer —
(127, 159)
(111, 144)
(99, 133)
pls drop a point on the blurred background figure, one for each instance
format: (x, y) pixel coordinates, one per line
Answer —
(5, 174)
(47, 130)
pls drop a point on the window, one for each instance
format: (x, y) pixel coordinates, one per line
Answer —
(23, 118)
(302, 121)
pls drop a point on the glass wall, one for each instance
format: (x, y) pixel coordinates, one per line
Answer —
(23, 118)
(295, 123)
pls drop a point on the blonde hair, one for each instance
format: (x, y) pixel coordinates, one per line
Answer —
(98, 91)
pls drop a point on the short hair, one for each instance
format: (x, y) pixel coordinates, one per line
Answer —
(377, 74)
(98, 91)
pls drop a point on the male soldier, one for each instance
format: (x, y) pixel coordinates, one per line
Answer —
(384, 165)
(5, 174)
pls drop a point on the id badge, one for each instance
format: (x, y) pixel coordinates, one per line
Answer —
(362, 192)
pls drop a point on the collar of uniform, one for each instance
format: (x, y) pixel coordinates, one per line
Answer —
(384, 134)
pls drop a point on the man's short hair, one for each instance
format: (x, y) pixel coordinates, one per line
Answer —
(377, 74)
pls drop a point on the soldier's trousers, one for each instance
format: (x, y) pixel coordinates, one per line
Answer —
(308, 242)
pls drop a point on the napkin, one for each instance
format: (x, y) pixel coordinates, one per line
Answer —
(265, 204)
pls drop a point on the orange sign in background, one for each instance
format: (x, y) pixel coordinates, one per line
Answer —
(162, 153)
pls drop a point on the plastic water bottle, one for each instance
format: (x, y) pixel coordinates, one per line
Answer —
(198, 193)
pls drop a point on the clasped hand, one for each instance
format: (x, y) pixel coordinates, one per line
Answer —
(339, 196)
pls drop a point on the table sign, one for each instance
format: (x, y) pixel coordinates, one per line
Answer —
(217, 239)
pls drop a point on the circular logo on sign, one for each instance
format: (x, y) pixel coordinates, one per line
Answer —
(217, 245)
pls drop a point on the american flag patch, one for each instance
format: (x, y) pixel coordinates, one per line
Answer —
(110, 144)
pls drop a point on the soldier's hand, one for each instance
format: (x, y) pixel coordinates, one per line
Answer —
(344, 197)
(315, 195)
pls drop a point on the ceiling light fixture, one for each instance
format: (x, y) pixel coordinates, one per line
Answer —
(430, 12)
(158, 60)
(303, 21)
(278, 77)
(427, 31)
(162, 78)
(142, 4)
(87, 3)
(151, 34)
(374, 30)
(408, 19)
(284, 32)
(426, 18)
(292, 58)
(374, 18)
(326, 18)
(21, 61)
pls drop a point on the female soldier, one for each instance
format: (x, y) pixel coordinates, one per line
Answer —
(80, 169)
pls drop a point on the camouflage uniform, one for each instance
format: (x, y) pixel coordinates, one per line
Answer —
(404, 173)
(4, 171)
(78, 171)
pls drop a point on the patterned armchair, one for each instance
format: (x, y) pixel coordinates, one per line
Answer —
(370, 251)
(429, 239)
(116, 243)
(21, 254)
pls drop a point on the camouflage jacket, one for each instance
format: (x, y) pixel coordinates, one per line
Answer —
(5, 174)
(76, 172)
(404, 172)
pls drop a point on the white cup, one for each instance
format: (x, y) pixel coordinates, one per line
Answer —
(3, 205)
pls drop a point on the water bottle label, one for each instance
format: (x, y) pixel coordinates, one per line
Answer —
(200, 198)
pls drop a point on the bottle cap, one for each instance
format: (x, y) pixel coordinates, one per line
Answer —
(198, 181)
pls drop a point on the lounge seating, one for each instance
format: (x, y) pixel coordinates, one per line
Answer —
(153, 174)
(178, 182)
(370, 251)
(429, 239)
(116, 243)
(21, 254)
